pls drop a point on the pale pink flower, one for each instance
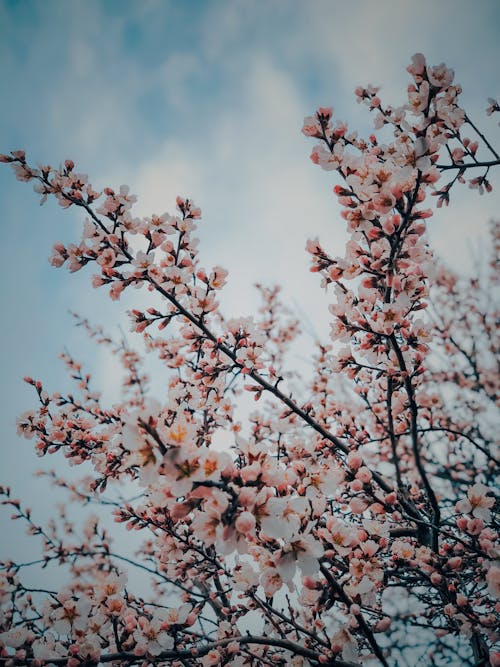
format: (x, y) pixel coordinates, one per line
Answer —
(106, 257)
(142, 450)
(90, 647)
(217, 278)
(72, 614)
(15, 637)
(303, 551)
(245, 523)
(347, 644)
(358, 505)
(245, 576)
(150, 635)
(271, 581)
(440, 75)
(177, 615)
(284, 516)
(492, 106)
(179, 432)
(59, 255)
(111, 585)
(311, 127)
(418, 99)
(249, 357)
(493, 580)
(342, 536)
(402, 549)
(46, 648)
(213, 657)
(143, 260)
(477, 503)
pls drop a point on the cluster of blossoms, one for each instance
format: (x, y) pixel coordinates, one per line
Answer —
(379, 479)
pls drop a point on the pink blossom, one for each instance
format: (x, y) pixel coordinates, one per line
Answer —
(302, 551)
(150, 636)
(15, 637)
(493, 580)
(477, 503)
(322, 516)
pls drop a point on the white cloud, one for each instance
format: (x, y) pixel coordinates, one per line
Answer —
(261, 196)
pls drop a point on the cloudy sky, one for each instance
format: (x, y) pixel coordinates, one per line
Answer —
(204, 99)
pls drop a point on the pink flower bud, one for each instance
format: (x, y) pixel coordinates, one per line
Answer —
(354, 460)
(383, 625)
(377, 508)
(495, 659)
(455, 563)
(310, 583)
(245, 523)
(364, 475)
(358, 505)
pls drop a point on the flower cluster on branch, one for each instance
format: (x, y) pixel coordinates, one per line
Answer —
(355, 519)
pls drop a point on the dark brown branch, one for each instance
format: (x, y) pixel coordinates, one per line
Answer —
(436, 513)
(364, 627)
(468, 165)
(128, 658)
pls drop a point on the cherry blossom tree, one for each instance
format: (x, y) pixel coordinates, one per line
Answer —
(353, 517)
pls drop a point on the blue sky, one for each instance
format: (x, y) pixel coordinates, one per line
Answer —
(204, 99)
